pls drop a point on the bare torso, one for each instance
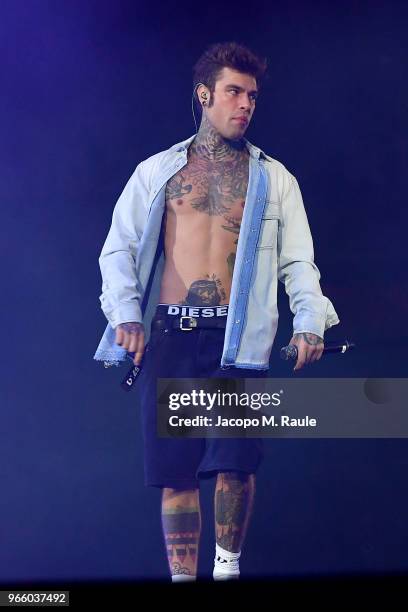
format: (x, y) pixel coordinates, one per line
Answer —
(203, 212)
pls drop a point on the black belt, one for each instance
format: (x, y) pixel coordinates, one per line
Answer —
(186, 323)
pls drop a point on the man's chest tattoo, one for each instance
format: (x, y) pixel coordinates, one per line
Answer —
(215, 189)
(212, 188)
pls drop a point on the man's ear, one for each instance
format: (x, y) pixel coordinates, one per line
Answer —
(203, 93)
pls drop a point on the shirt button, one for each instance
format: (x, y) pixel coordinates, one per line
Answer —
(237, 321)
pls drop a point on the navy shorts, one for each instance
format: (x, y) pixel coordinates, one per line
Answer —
(179, 462)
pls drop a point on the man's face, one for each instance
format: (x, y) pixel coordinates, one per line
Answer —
(234, 96)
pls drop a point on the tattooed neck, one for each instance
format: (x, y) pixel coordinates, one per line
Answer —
(210, 144)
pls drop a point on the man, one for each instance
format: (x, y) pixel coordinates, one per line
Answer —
(215, 221)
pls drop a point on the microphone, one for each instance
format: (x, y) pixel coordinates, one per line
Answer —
(291, 352)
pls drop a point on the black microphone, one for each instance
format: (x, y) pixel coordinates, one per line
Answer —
(291, 352)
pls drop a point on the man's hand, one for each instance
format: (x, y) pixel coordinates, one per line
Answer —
(309, 346)
(130, 336)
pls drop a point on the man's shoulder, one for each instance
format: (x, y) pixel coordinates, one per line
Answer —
(153, 160)
(153, 163)
(161, 155)
(282, 179)
(276, 166)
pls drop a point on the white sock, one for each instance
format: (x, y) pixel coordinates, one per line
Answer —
(183, 578)
(226, 564)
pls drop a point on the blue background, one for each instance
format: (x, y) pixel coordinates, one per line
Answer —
(89, 90)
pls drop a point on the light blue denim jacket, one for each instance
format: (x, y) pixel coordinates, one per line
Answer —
(274, 243)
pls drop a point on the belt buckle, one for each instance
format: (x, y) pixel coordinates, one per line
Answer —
(193, 324)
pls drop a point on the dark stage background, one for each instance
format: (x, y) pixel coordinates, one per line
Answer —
(89, 89)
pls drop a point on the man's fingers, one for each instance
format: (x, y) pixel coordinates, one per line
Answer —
(139, 349)
(311, 356)
(138, 357)
(126, 341)
(119, 335)
(306, 355)
(314, 354)
(133, 342)
(123, 338)
(301, 358)
(307, 352)
(317, 354)
(126, 333)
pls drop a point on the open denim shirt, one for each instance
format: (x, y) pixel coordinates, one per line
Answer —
(274, 243)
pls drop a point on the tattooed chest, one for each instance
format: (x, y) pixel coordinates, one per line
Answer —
(217, 191)
(202, 221)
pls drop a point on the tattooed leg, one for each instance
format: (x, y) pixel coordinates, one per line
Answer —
(181, 522)
(233, 503)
